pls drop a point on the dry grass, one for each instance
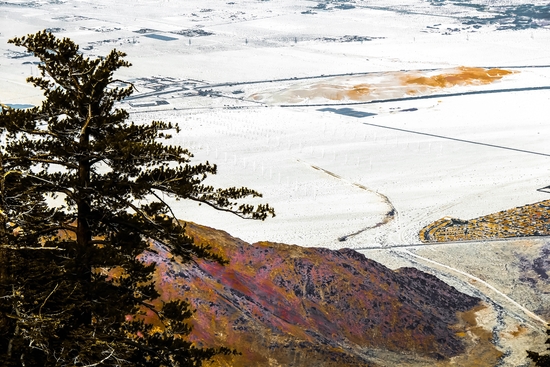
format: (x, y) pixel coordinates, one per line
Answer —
(527, 220)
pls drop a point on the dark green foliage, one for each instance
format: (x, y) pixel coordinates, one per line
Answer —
(542, 360)
(59, 305)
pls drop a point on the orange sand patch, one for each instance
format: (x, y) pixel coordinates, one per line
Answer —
(384, 85)
(463, 76)
(358, 91)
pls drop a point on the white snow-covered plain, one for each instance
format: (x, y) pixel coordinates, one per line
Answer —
(308, 102)
(388, 155)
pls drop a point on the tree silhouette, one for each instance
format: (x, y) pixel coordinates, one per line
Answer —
(82, 194)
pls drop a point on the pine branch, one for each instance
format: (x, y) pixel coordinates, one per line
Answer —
(42, 160)
(64, 227)
(13, 247)
(221, 209)
(111, 353)
(167, 206)
(46, 300)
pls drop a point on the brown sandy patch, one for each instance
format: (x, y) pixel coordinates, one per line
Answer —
(480, 351)
(520, 330)
(383, 85)
(358, 91)
(462, 76)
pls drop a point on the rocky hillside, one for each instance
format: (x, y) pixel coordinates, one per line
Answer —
(524, 221)
(293, 306)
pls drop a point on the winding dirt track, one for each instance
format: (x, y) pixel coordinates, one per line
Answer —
(480, 281)
(390, 215)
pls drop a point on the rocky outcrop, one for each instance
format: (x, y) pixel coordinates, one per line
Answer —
(524, 221)
(293, 306)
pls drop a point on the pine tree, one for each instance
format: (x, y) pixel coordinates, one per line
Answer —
(59, 301)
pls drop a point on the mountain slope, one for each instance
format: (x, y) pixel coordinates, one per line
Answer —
(288, 305)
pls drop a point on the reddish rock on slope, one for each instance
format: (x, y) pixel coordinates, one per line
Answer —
(295, 306)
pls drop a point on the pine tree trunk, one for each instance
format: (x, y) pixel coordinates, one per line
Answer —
(4, 263)
(4, 255)
(83, 232)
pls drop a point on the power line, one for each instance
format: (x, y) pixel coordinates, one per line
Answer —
(457, 139)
